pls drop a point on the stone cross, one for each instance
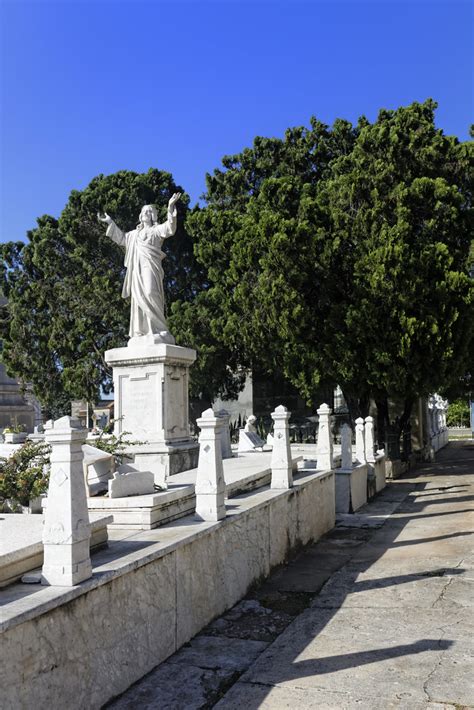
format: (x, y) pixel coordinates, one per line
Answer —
(324, 447)
(282, 472)
(66, 532)
(224, 433)
(369, 439)
(346, 447)
(210, 484)
(360, 443)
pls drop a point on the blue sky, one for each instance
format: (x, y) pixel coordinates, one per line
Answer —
(97, 86)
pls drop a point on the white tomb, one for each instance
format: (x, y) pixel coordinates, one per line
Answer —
(249, 440)
(98, 466)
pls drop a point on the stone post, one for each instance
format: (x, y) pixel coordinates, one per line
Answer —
(66, 532)
(360, 445)
(282, 473)
(224, 433)
(369, 439)
(324, 448)
(210, 484)
(346, 448)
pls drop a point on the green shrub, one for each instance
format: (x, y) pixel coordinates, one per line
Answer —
(25, 474)
(458, 413)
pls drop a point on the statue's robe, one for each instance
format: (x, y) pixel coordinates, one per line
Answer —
(144, 278)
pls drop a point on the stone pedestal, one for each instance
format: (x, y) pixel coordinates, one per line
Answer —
(224, 433)
(360, 440)
(282, 469)
(67, 532)
(210, 484)
(370, 456)
(346, 448)
(325, 443)
(151, 383)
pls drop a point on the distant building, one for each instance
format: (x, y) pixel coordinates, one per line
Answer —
(97, 415)
(103, 413)
(18, 406)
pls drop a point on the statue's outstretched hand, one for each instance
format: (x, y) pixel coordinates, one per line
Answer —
(104, 218)
(173, 199)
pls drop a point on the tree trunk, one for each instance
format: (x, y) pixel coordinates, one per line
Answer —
(357, 406)
(406, 414)
(382, 419)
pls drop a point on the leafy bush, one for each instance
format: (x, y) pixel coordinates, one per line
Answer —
(115, 445)
(25, 474)
(458, 413)
(17, 429)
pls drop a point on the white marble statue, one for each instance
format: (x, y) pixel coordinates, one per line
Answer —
(144, 278)
(250, 426)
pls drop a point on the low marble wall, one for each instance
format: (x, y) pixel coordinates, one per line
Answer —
(376, 474)
(351, 489)
(440, 440)
(80, 647)
(394, 468)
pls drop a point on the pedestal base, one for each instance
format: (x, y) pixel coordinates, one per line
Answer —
(210, 507)
(165, 460)
(66, 565)
(151, 381)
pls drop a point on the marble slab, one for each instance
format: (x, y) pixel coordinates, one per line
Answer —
(242, 474)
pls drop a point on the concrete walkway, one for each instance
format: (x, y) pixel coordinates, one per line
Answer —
(378, 614)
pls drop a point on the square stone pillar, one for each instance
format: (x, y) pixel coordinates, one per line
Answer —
(66, 532)
(324, 449)
(370, 455)
(360, 441)
(151, 383)
(210, 484)
(346, 448)
(369, 440)
(224, 433)
(282, 469)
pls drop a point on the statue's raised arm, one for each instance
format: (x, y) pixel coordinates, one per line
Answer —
(144, 277)
(104, 218)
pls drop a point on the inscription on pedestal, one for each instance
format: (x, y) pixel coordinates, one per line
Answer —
(140, 413)
(175, 422)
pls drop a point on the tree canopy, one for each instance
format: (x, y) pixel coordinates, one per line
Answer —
(340, 254)
(337, 254)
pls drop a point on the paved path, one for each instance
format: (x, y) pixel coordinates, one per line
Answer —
(376, 615)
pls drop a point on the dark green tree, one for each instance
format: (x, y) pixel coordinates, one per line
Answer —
(248, 237)
(400, 214)
(340, 255)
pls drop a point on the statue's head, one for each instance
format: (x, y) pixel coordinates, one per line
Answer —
(148, 215)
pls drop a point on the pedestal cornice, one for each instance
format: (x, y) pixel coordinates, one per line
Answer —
(145, 354)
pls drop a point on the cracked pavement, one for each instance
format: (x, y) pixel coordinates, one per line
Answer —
(375, 615)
